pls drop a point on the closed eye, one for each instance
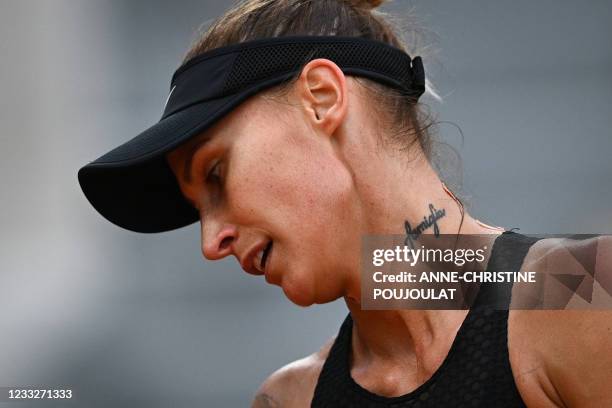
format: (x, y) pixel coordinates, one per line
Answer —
(214, 174)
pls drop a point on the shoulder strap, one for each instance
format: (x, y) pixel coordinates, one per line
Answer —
(334, 378)
(509, 251)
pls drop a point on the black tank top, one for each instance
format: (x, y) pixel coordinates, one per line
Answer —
(475, 373)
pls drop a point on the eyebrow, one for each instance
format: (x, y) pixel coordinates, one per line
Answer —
(187, 175)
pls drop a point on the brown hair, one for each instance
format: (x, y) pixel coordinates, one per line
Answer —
(254, 19)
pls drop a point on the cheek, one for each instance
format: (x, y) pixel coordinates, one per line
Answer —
(291, 186)
(303, 196)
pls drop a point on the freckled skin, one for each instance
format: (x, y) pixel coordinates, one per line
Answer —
(281, 181)
(312, 177)
(309, 173)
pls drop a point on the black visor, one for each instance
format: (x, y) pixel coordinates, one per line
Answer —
(132, 185)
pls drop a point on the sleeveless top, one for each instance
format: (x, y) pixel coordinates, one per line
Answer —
(475, 373)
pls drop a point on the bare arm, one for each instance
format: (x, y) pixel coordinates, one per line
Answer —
(566, 355)
(576, 353)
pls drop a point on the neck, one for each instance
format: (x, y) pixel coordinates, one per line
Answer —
(400, 196)
(409, 200)
(404, 340)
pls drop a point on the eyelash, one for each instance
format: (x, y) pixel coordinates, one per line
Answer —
(211, 177)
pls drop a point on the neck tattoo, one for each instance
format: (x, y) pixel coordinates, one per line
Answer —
(428, 221)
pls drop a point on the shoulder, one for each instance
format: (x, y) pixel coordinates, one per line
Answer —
(293, 385)
(593, 248)
(564, 357)
(571, 273)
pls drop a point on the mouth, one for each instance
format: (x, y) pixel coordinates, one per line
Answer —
(259, 263)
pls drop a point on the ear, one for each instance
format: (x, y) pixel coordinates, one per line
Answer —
(322, 92)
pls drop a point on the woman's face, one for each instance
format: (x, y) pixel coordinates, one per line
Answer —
(272, 190)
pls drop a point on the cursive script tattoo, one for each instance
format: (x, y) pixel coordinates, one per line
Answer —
(428, 221)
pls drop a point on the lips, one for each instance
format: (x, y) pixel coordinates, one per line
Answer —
(261, 257)
(255, 260)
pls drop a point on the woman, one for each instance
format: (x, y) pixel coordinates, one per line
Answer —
(291, 130)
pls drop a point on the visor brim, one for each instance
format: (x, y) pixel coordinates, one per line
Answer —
(133, 186)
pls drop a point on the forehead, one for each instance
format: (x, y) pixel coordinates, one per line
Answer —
(251, 115)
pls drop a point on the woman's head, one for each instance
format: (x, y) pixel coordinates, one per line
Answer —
(287, 177)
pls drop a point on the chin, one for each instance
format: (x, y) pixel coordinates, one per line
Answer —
(304, 293)
(300, 293)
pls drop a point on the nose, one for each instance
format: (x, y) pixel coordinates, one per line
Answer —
(217, 239)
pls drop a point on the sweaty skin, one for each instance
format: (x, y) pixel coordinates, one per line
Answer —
(307, 174)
